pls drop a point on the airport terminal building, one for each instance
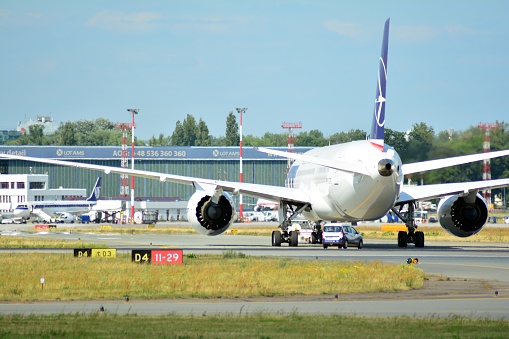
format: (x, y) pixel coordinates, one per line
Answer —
(220, 163)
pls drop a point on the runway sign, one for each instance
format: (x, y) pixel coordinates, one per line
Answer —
(167, 257)
(104, 252)
(158, 257)
(141, 256)
(40, 227)
(82, 252)
(95, 252)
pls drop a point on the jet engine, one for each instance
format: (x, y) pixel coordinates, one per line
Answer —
(207, 217)
(461, 218)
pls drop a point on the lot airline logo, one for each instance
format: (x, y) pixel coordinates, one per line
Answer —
(75, 153)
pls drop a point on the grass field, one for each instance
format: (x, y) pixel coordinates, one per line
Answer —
(369, 231)
(437, 233)
(115, 278)
(103, 325)
(233, 275)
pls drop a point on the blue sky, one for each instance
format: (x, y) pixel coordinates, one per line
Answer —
(309, 61)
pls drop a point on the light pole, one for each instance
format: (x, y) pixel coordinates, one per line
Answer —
(241, 111)
(133, 111)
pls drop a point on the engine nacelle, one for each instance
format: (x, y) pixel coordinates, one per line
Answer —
(208, 218)
(460, 218)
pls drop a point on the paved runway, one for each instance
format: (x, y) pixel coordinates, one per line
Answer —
(485, 266)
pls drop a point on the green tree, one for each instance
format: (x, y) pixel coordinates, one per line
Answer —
(267, 140)
(420, 140)
(85, 132)
(396, 139)
(190, 130)
(67, 134)
(313, 139)
(35, 134)
(232, 136)
(351, 135)
(217, 141)
(160, 141)
(177, 138)
(104, 124)
(203, 136)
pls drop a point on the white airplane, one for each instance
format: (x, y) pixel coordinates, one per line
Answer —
(20, 214)
(264, 204)
(47, 209)
(355, 181)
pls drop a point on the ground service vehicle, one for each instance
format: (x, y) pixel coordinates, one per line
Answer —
(65, 218)
(341, 235)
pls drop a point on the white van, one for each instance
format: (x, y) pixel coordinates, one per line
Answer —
(341, 235)
(65, 217)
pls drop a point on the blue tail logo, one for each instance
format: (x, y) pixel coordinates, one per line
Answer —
(96, 192)
(377, 127)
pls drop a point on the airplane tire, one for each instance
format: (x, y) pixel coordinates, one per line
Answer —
(402, 239)
(313, 238)
(294, 239)
(419, 239)
(276, 238)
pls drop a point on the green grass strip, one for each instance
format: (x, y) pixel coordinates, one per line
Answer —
(103, 325)
(230, 275)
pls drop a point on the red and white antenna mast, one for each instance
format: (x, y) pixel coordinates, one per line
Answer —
(486, 167)
(241, 208)
(124, 178)
(133, 112)
(290, 126)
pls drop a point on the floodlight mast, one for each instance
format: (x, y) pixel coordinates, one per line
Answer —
(241, 111)
(290, 126)
(133, 111)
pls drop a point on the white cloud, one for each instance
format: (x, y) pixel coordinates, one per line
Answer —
(125, 22)
(4, 13)
(208, 24)
(33, 15)
(459, 30)
(422, 33)
(418, 33)
(348, 29)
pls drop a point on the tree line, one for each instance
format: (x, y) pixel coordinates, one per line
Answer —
(419, 144)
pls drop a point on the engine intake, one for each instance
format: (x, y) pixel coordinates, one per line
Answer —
(460, 218)
(207, 217)
(386, 167)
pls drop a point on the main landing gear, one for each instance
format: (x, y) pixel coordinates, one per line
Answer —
(412, 236)
(283, 235)
(292, 238)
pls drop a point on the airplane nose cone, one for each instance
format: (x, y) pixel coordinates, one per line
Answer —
(385, 167)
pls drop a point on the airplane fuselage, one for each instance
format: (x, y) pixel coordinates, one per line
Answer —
(345, 196)
(53, 207)
(20, 212)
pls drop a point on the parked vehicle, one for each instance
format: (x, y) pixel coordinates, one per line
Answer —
(341, 235)
(85, 218)
(65, 218)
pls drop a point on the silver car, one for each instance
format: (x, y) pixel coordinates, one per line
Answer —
(341, 235)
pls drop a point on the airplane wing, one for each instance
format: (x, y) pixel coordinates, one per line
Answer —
(448, 162)
(6, 215)
(274, 193)
(425, 192)
(334, 164)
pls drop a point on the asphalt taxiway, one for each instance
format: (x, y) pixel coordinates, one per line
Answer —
(467, 279)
